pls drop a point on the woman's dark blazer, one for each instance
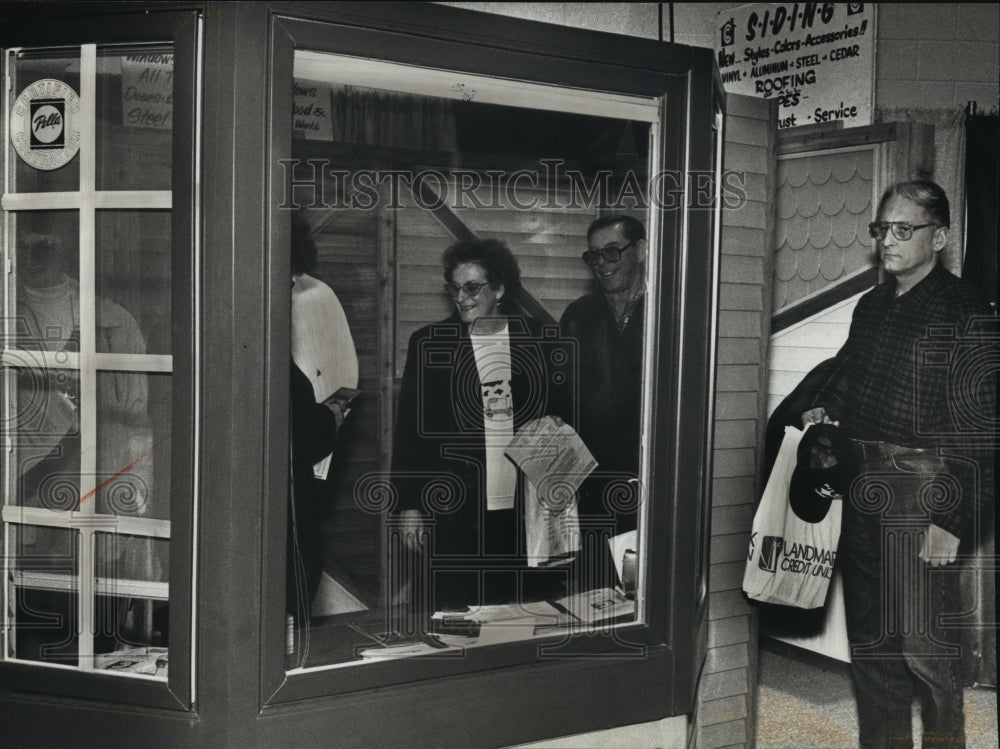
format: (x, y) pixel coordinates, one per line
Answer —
(438, 462)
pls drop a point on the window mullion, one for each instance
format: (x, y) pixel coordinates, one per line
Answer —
(89, 480)
(8, 483)
(54, 201)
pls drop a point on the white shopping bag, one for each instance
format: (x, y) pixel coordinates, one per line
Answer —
(790, 561)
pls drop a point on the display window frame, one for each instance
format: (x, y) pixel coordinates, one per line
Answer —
(181, 31)
(228, 683)
(673, 632)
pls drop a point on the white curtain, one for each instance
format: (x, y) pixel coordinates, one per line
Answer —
(949, 167)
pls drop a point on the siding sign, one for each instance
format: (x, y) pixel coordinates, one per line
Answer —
(816, 59)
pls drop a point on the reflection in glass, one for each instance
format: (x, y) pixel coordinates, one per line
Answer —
(415, 532)
(45, 614)
(47, 457)
(44, 343)
(26, 70)
(47, 257)
(131, 604)
(133, 277)
(133, 451)
(134, 119)
(87, 408)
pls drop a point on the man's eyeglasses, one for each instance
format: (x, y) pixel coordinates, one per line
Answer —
(610, 254)
(900, 229)
(471, 288)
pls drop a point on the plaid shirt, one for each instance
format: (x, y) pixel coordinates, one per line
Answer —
(908, 372)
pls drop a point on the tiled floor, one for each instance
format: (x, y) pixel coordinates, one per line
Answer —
(809, 706)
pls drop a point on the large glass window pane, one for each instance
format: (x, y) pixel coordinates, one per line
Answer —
(131, 604)
(44, 458)
(47, 289)
(134, 119)
(133, 282)
(133, 444)
(41, 360)
(45, 121)
(132, 564)
(383, 181)
(86, 373)
(42, 599)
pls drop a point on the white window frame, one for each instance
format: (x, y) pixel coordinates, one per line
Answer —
(347, 70)
(85, 520)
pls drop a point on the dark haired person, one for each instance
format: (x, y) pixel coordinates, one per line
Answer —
(323, 360)
(322, 345)
(470, 382)
(607, 326)
(913, 501)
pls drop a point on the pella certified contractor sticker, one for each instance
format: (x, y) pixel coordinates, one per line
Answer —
(43, 124)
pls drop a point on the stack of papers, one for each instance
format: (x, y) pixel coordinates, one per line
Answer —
(404, 650)
(555, 461)
(601, 605)
(141, 660)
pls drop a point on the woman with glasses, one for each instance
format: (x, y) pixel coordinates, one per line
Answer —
(470, 382)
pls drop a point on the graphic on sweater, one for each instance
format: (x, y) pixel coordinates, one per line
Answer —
(497, 400)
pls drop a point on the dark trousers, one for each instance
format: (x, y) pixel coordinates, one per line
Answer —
(901, 645)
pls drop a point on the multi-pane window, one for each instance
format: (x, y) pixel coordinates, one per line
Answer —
(87, 357)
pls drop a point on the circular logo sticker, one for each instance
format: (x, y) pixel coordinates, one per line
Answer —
(43, 124)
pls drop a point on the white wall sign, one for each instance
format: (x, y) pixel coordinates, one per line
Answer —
(816, 59)
(311, 110)
(43, 125)
(148, 91)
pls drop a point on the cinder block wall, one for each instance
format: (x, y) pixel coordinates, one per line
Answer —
(938, 56)
(927, 55)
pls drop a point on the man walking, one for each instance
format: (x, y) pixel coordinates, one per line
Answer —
(893, 388)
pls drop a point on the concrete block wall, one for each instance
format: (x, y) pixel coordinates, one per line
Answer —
(937, 55)
(927, 55)
(631, 19)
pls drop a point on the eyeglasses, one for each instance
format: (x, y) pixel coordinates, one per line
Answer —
(900, 229)
(471, 288)
(610, 254)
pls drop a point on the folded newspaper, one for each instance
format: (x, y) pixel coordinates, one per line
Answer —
(151, 661)
(555, 462)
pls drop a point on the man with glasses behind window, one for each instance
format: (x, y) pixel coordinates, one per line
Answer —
(607, 326)
(897, 390)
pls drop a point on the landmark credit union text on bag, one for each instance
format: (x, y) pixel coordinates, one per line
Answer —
(790, 559)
